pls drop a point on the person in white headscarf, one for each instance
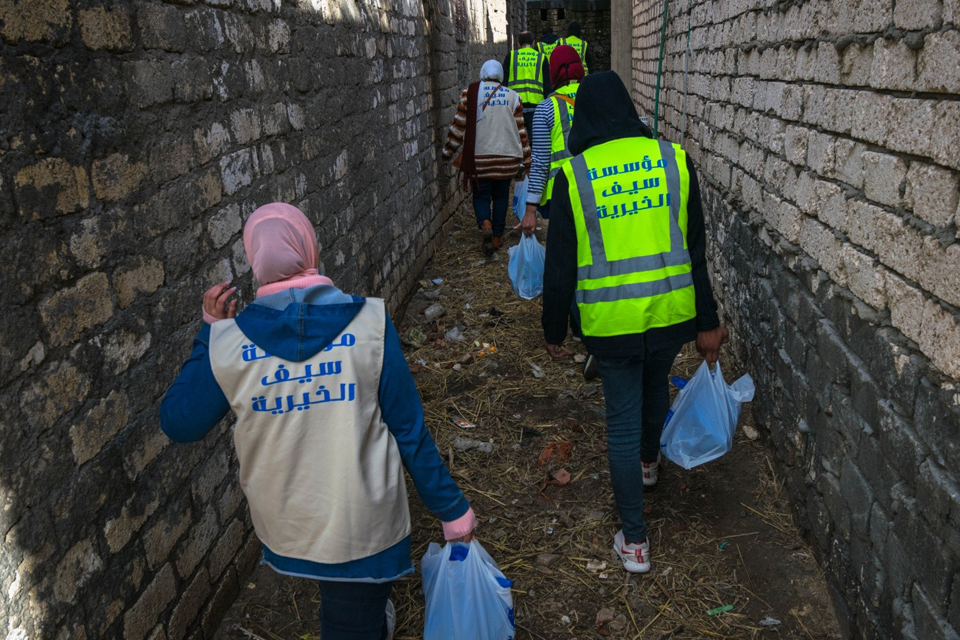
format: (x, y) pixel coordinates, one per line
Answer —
(487, 143)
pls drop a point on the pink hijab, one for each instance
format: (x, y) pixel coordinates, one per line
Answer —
(282, 249)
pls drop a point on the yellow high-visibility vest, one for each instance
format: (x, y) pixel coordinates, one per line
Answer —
(547, 49)
(629, 202)
(526, 74)
(580, 46)
(562, 120)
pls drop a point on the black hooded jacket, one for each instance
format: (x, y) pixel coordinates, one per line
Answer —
(605, 112)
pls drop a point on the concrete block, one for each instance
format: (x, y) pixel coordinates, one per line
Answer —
(98, 426)
(108, 29)
(938, 63)
(140, 619)
(47, 21)
(163, 533)
(946, 124)
(795, 145)
(916, 15)
(859, 496)
(197, 543)
(144, 275)
(821, 153)
(224, 592)
(883, 177)
(71, 311)
(51, 187)
(932, 193)
(856, 64)
(226, 548)
(865, 278)
(187, 609)
(162, 27)
(929, 619)
(894, 65)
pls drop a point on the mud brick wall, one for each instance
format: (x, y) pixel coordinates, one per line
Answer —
(593, 16)
(135, 138)
(827, 136)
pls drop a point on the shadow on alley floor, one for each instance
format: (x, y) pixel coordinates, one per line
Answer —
(721, 534)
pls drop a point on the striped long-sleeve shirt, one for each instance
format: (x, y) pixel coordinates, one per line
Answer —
(495, 167)
(540, 167)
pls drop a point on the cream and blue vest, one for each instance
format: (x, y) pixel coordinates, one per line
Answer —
(321, 472)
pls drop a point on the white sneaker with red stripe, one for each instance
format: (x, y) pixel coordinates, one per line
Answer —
(635, 557)
(650, 471)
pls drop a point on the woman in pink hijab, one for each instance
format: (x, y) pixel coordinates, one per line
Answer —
(327, 418)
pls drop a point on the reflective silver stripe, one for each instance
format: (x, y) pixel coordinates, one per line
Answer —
(672, 170)
(601, 268)
(588, 203)
(553, 172)
(563, 110)
(635, 290)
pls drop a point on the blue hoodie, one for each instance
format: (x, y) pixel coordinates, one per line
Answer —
(295, 325)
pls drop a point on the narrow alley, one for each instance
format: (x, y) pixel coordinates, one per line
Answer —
(722, 533)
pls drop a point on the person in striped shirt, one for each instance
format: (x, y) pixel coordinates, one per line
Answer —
(487, 143)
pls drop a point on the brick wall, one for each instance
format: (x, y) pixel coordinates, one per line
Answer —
(593, 16)
(136, 138)
(826, 134)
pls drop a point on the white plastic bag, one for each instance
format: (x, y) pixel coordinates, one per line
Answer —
(526, 267)
(468, 597)
(520, 198)
(703, 418)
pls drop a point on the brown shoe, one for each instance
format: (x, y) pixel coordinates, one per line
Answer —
(497, 242)
(486, 234)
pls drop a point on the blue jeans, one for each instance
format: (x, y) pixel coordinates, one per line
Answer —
(353, 610)
(634, 425)
(497, 190)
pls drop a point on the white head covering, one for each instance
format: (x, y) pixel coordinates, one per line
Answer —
(491, 70)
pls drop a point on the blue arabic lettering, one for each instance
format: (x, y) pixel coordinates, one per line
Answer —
(250, 353)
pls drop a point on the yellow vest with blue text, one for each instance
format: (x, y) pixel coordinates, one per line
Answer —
(547, 49)
(562, 120)
(629, 202)
(581, 47)
(526, 75)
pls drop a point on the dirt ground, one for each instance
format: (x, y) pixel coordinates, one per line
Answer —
(721, 534)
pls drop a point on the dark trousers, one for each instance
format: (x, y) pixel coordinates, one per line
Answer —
(528, 123)
(353, 610)
(638, 399)
(499, 192)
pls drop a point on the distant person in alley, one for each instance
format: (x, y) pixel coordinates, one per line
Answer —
(327, 418)
(528, 73)
(548, 42)
(575, 40)
(626, 242)
(487, 144)
(551, 128)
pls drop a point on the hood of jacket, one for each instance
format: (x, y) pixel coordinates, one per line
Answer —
(296, 324)
(604, 112)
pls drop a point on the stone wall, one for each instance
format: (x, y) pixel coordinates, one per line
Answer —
(826, 134)
(593, 16)
(136, 138)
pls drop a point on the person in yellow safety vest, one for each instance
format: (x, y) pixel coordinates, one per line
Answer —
(551, 126)
(627, 243)
(528, 73)
(574, 40)
(548, 42)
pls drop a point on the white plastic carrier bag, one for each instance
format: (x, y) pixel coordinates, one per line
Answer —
(526, 267)
(468, 597)
(700, 425)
